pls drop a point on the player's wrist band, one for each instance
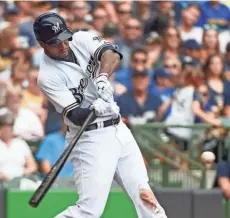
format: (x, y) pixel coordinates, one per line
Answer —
(103, 74)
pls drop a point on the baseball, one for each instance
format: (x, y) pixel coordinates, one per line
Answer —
(208, 157)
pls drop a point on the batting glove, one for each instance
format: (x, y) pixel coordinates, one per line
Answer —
(104, 88)
(103, 108)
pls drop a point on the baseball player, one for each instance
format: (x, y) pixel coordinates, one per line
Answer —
(74, 73)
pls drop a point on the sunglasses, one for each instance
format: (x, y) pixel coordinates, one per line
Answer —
(133, 27)
(210, 26)
(99, 17)
(124, 12)
(204, 94)
(172, 34)
(80, 8)
(139, 60)
(170, 66)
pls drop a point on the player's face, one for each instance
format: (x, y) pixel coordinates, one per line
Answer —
(57, 51)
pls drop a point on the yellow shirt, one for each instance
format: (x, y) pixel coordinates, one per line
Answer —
(30, 100)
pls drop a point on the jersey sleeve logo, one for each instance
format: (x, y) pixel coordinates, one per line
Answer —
(56, 28)
(97, 38)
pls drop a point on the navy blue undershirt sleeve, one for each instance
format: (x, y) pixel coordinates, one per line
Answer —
(78, 115)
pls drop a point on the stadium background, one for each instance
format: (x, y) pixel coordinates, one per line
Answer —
(172, 87)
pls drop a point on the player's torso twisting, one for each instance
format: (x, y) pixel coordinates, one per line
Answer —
(78, 77)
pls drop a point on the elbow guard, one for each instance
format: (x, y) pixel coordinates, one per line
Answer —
(78, 115)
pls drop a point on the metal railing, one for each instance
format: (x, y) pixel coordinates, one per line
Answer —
(162, 155)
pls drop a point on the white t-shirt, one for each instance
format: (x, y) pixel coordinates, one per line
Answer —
(181, 112)
(224, 38)
(196, 33)
(13, 157)
(27, 125)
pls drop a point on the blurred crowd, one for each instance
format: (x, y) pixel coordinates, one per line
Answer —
(175, 69)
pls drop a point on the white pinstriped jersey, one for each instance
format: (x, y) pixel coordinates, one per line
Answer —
(69, 85)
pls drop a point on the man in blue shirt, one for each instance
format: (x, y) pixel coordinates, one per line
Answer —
(138, 61)
(50, 150)
(162, 84)
(214, 12)
(139, 106)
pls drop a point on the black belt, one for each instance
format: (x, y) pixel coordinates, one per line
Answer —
(105, 124)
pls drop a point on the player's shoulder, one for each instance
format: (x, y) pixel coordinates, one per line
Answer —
(83, 35)
(48, 70)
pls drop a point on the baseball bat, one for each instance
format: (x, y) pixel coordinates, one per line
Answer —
(52, 175)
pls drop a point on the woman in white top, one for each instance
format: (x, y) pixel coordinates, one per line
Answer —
(16, 159)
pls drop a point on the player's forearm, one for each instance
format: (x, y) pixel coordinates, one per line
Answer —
(110, 61)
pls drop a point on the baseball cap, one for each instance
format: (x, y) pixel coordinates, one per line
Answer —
(162, 73)
(188, 60)
(136, 73)
(11, 10)
(6, 116)
(191, 44)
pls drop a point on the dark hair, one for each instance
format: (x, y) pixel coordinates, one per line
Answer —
(206, 68)
(119, 4)
(138, 50)
(192, 5)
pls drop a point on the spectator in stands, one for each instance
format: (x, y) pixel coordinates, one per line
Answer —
(227, 61)
(110, 9)
(18, 77)
(185, 105)
(172, 42)
(161, 18)
(124, 12)
(9, 40)
(224, 37)
(154, 47)
(187, 27)
(27, 124)
(162, 84)
(192, 49)
(110, 32)
(214, 73)
(206, 102)
(210, 41)
(24, 9)
(79, 10)
(32, 97)
(139, 106)
(144, 10)
(190, 65)
(50, 150)
(138, 62)
(214, 12)
(12, 14)
(131, 38)
(174, 66)
(16, 159)
(223, 177)
(100, 19)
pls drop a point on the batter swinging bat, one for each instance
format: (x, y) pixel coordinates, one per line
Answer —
(50, 178)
